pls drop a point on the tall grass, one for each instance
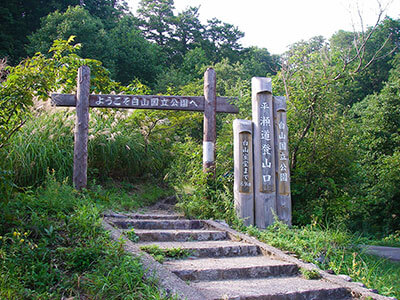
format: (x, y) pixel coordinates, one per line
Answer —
(116, 149)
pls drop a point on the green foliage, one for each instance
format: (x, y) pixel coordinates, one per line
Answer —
(116, 149)
(121, 48)
(334, 249)
(161, 254)
(392, 240)
(377, 119)
(20, 19)
(37, 77)
(310, 274)
(52, 245)
(131, 234)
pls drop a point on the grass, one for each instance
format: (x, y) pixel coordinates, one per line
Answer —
(116, 149)
(392, 240)
(310, 274)
(52, 245)
(161, 254)
(334, 249)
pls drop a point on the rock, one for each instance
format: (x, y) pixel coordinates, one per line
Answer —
(345, 277)
(360, 284)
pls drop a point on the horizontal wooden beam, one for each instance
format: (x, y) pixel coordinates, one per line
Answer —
(185, 103)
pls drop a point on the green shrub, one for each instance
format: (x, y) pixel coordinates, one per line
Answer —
(52, 246)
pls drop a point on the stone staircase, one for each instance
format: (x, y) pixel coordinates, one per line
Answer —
(225, 264)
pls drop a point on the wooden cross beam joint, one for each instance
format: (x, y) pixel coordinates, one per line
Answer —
(210, 104)
(185, 103)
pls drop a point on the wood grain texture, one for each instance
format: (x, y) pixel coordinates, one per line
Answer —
(264, 152)
(81, 128)
(243, 189)
(185, 103)
(210, 108)
(283, 198)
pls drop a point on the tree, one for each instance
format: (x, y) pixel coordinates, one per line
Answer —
(132, 55)
(109, 11)
(259, 62)
(33, 78)
(156, 19)
(188, 32)
(318, 79)
(222, 40)
(378, 141)
(378, 52)
(19, 18)
(77, 21)
(122, 49)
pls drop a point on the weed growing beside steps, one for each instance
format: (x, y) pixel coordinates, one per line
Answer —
(160, 254)
(132, 235)
(310, 274)
(52, 245)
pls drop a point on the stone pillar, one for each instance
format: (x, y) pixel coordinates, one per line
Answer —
(264, 152)
(283, 199)
(243, 170)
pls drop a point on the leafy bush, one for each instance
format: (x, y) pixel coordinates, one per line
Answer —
(52, 246)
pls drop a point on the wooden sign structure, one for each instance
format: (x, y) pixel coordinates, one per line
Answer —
(269, 177)
(210, 104)
(243, 188)
(264, 151)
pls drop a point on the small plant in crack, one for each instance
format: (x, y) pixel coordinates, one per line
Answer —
(131, 234)
(310, 274)
(161, 255)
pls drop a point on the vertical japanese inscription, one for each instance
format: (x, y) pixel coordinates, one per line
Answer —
(283, 154)
(266, 134)
(245, 161)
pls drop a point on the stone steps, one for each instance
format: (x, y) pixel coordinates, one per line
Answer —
(224, 264)
(209, 248)
(286, 288)
(230, 268)
(183, 235)
(158, 224)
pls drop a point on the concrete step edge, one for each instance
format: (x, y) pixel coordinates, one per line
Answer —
(171, 285)
(222, 248)
(357, 291)
(179, 234)
(281, 288)
(158, 224)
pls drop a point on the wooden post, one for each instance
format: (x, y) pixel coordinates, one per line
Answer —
(264, 152)
(243, 170)
(81, 128)
(209, 135)
(283, 199)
